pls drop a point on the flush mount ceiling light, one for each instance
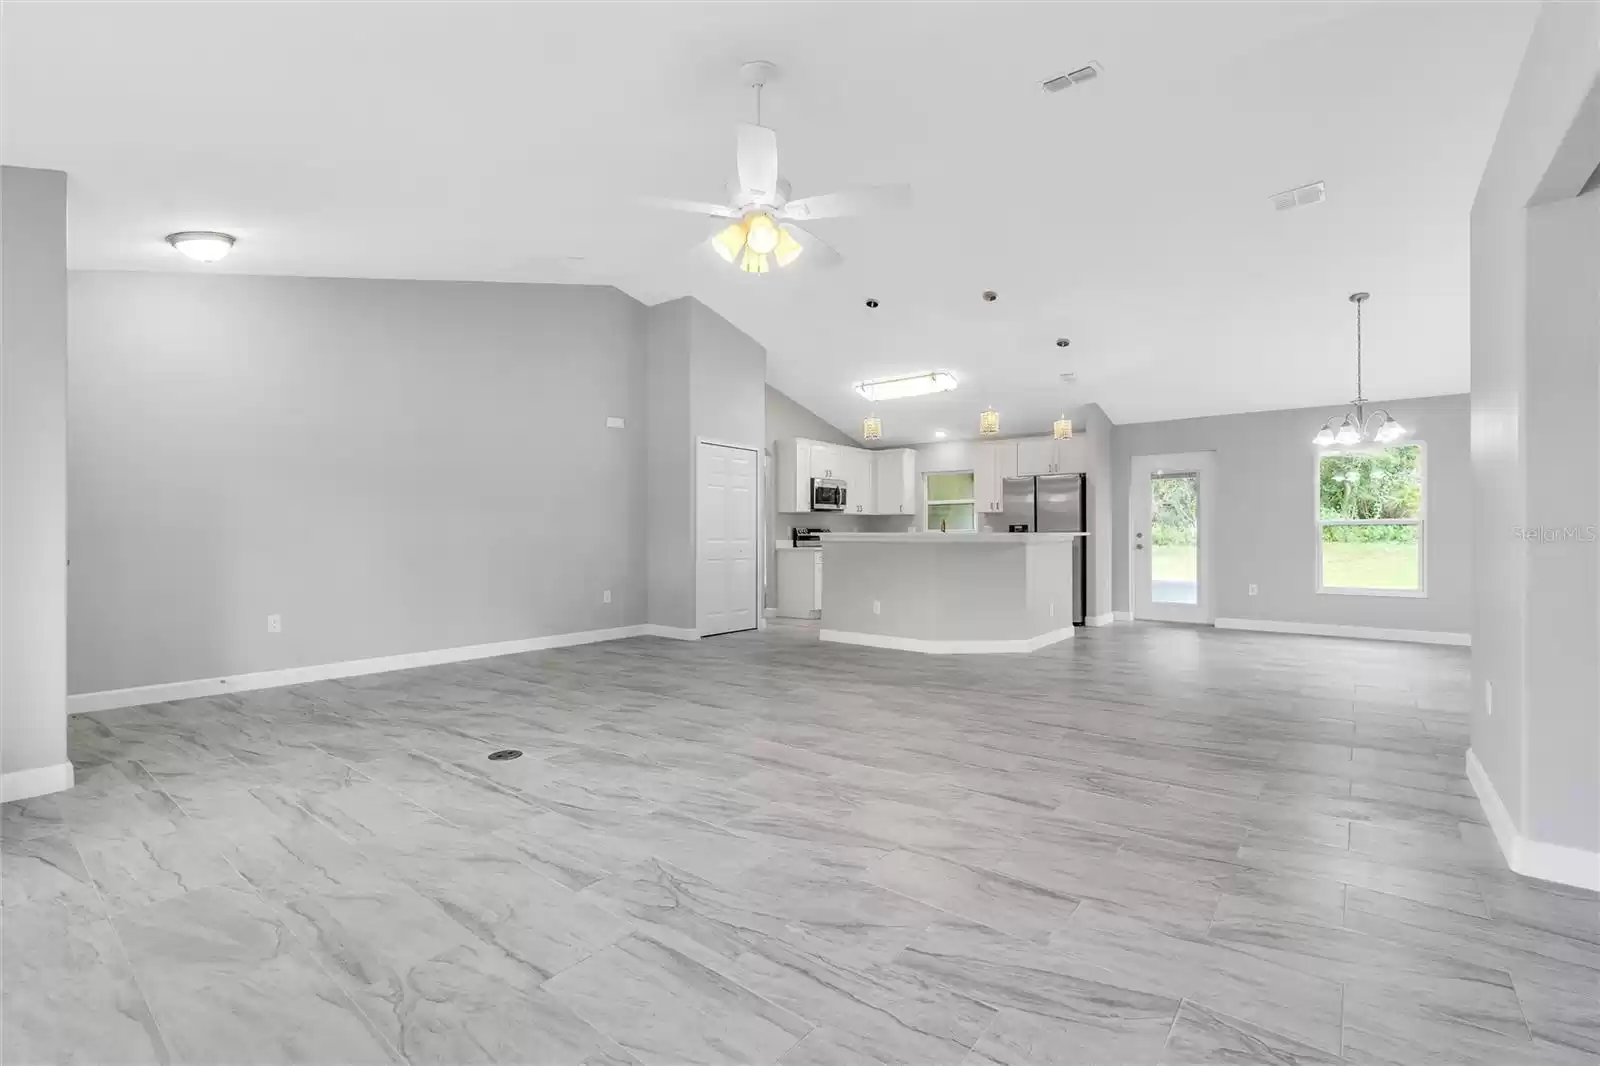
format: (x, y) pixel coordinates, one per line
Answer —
(939, 433)
(871, 428)
(1357, 427)
(205, 246)
(900, 388)
(989, 423)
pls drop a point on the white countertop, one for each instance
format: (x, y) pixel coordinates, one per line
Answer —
(799, 547)
(985, 539)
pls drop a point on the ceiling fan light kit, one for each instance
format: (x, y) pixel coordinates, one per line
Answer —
(1357, 427)
(764, 233)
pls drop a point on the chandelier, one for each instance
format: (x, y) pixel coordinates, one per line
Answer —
(1357, 427)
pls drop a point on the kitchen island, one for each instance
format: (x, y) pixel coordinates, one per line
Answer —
(948, 593)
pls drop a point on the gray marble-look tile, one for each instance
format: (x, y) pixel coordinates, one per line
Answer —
(1172, 961)
(222, 974)
(45, 867)
(1385, 1029)
(22, 818)
(145, 869)
(665, 1008)
(69, 994)
(1455, 891)
(434, 990)
(1018, 907)
(1201, 1035)
(1042, 995)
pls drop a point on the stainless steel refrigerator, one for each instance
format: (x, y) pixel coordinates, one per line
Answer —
(1052, 503)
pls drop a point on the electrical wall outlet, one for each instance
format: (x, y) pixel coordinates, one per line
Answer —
(877, 608)
(1252, 590)
(1488, 698)
(605, 597)
(274, 623)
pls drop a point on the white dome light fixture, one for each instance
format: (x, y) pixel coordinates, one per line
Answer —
(205, 246)
(1356, 427)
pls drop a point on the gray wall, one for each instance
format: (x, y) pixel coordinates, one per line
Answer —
(1263, 510)
(787, 420)
(392, 466)
(1535, 338)
(706, 382)
(1088, 453)
(33, 468)
(670, 466)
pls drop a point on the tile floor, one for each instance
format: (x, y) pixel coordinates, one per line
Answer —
(1148, 845)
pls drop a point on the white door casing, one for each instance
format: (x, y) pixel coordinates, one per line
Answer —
(726, 576)
(1140, 551)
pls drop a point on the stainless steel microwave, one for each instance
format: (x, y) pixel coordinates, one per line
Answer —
(827, 494)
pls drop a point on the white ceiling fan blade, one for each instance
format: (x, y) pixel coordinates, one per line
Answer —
(758, 162)
(858, 201)
(818, 252)
(694, 207)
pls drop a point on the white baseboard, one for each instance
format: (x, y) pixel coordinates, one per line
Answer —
(1319, 629)
(1099, 619)
(670, 632)
(1122, 616)
(769, 612)
(299, 675)
(1531, 858)
(40, 781)
(948, 647)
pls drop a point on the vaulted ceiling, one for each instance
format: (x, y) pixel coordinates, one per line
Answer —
(513, 142)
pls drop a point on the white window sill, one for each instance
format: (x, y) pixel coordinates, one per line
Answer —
(1412, 594)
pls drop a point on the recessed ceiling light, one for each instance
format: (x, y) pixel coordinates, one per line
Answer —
(939, 433)
(900, 388)
(204, 245)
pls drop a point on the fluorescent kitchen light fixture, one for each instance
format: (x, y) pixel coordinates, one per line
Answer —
(900, 388)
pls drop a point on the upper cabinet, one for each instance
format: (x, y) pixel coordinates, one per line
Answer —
(1046, 455)
(862, 471)
(993, 462)
(894, 477)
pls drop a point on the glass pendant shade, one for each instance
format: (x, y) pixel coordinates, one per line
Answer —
(753, 262)
(761, 233)
(1389, 431)
(871, 428)
(1063, 429)
(788, 249)
(989, 423)
(730, 242)
(1348, 433)
(1324, 437)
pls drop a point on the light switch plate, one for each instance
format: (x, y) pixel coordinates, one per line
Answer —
(613, 422)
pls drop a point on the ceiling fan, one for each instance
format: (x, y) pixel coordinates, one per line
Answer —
(764, 232)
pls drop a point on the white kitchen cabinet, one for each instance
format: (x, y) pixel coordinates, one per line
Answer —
(894, 477)
(1046, 455)
(993, 462)
(855, 467)
(1036, 455)
(826, 459)
(799, 582)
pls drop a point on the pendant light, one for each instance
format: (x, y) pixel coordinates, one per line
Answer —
(1356, 427)
(1063, 425)
(989, 423)
(871, 428)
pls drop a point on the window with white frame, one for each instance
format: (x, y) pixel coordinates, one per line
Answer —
(1371, 507)
(952, 503)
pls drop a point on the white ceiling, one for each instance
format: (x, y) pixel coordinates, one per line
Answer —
(493, 141)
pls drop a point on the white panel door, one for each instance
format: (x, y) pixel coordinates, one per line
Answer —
(725, 565)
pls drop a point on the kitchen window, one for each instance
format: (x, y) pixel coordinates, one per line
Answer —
(951, 500)
(1371, 507)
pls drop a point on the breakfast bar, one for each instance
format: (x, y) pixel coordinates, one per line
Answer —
(948, 593)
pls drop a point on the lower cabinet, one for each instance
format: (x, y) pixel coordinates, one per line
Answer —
(799, 582)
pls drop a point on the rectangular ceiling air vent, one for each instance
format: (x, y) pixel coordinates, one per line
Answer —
(1071, 78)
(1314, 193)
